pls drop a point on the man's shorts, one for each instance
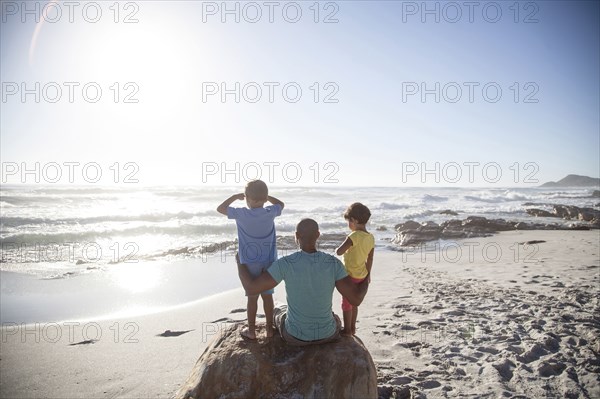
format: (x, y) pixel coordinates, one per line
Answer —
(256, 270)
(279, 316)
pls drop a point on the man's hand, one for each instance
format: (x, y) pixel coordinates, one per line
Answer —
(354, 293)
(256, 285)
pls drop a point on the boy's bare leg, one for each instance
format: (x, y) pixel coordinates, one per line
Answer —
(268, 307)
(347, 330)
(354, 317)
(252, 308)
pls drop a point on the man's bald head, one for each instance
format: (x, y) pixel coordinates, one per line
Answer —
(307, 231)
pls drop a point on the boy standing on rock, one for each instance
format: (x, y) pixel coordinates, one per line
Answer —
(257, 244)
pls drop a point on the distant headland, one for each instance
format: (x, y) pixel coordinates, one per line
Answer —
(574, 181)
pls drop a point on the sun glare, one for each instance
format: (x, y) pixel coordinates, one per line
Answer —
(136, 278)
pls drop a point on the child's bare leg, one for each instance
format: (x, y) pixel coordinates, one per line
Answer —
(354, 317)
(252, 308)
(268, 307)
(347, 330)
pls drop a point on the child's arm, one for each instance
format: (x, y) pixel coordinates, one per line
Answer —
(344, 247)
(369, 262)
(223, 207)
(275, 201)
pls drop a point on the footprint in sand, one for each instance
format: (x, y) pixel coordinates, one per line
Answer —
(429, 384)
(169, 333)
(505, 369)
(86, 342)
(223, 320)
(551, 368)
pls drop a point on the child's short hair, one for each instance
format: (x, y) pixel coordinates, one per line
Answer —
(257, 190)
(359, 212)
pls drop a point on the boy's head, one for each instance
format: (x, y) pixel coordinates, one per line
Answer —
(358, 212)
(256, 193)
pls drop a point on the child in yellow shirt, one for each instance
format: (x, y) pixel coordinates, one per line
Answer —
(358, 251)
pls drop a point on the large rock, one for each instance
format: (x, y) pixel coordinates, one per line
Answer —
(411, 233)
(540, 213)
(566, 211)
(232, 367)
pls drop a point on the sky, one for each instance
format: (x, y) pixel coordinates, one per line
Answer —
(355, 93)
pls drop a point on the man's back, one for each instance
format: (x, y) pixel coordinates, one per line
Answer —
(309, 280)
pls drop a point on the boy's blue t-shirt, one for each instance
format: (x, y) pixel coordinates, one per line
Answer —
(309, 282)
(256, 233)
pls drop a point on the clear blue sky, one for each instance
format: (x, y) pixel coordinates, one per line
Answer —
(372, 55)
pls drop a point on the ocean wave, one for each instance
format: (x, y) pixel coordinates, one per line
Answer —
(498, 196)
(433, 198)
(16, 200)
(84, 190)
(392, 206)
(510, 196)
(420, 214)
(17, 221)
(90, 236)
(30, 200)
(569, 195)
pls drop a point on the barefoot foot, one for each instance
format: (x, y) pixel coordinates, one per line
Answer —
(269, 331)
(346, 333)
(247, 334)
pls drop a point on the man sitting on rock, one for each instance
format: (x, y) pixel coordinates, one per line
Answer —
(310, 277)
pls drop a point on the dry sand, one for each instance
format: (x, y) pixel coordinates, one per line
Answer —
(523, 324)
(476, 323)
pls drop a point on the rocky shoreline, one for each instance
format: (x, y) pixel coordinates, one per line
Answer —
(411, 233)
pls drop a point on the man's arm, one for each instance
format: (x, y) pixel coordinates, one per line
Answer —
(254, 285)
(275, 201)
(352, 292)
(344, 247)
(223, 207)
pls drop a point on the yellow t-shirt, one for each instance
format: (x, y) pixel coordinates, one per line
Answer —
(356, 256)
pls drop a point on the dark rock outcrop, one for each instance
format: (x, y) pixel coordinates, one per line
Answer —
(411, 233)
(567, 212)
(448, 212)
(232, 367)
(539, 213)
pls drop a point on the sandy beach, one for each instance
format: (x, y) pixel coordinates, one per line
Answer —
(490, 317)
(143, 144)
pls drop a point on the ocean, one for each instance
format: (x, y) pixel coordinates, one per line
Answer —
(79, 252)
(56, 231)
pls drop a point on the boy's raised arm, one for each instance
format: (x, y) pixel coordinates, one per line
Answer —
(223, 207)
(275, 201)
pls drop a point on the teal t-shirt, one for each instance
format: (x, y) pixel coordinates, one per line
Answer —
(309, 282)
